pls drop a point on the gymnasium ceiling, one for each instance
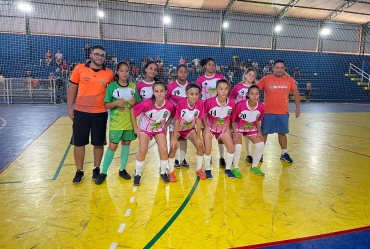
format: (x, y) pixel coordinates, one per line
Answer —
(346, 11)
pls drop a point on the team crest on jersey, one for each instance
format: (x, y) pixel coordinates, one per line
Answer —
(248, 125)
(112, 136)
(102, 81)
(229, 112)
(165, 114)
(196, 114)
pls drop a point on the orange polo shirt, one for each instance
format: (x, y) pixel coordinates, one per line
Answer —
(91, 87)
(277, 91)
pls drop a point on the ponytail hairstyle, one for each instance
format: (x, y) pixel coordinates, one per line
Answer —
(116, 78)
(224, 81)
(249, 69)
(156, 84)
(204, 62)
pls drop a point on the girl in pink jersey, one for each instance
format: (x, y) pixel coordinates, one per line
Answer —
(145, 87)
(175, 93)
(207, 83)
(188, 121)
(239, 93)
(246, 122)
(218, 112)
(155, 115)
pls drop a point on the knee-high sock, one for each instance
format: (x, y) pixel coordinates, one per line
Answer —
(199, 162)
(207, 162)
(171, 162)
(257, 153)
(221, 149)
(237, 154)
(108, 158)
(125, 149)
(139, 166)
(248, 144)
(164, 164)
(183, 148)
(229, 160)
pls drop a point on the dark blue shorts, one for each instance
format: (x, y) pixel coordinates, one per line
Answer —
(275, 123)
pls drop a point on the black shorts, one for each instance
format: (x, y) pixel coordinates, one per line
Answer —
(83, 123)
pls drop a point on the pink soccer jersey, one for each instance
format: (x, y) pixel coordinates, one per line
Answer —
(176, 92)
(145, 89)
(218, 117)
(239, 92)
(189, 115)
(245, 118)
(208, 85)
(153, 118)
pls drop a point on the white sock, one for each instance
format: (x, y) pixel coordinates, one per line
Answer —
(257, 153)
(183, 148)
(229, 160)
(199, 162)
(163, 164)
(248, 144)
(237, 154)
(283, 151)
(171, 162)
(177, 155)
(207, 162)
(139, 166)
(221, 149)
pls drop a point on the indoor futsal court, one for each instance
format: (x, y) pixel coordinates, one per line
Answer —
(321, 200)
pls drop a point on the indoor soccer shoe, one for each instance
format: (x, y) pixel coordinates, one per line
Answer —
(229, 173)
(257, 171)
(201, 174)
(184, 163)
(222, 162)
(165, 178)
(237, 173)
(176, 164)
(123, 173)
(95, 173)
(249, 159)
(78, 177)
(172, 177)
(286, 158)
(100, 179)
(208, 174)
(137, 180)
(261, 160)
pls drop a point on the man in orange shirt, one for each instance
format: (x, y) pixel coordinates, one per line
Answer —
(89, 114)
(277, 87)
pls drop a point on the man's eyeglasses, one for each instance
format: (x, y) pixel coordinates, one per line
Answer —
(99, 55)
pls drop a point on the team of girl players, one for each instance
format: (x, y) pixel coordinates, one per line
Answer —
(196, 112)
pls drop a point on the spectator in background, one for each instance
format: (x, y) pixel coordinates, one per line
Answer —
(308, 91)
(255, 65)
(222, 68)
(182, 61)
(134, 71)
(114, 61)
(132, 63)
(52, 76)
(64, 68)
(87, 51)
(48, 57)
(143, 59)
(266, 70)
(150, 58)
(248, 64)
(297, 71)
(72, 66)
(59, 57)
(230, 74)
(235, 59)
(173, 72)
(195, 62)
(139, 78)
(108, 60)
(2, 81)
(28, 78)
(158, 60)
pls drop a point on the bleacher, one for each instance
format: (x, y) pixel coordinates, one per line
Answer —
(324, 70)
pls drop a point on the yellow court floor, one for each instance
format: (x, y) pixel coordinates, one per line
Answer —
(325, 190)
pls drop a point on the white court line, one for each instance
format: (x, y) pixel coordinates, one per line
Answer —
(134, 189)
(121, 228)
(132, 199)
(113, 245)
(128, 212)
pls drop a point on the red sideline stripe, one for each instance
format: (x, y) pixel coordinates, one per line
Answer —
(304, 239)
(2, 170)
